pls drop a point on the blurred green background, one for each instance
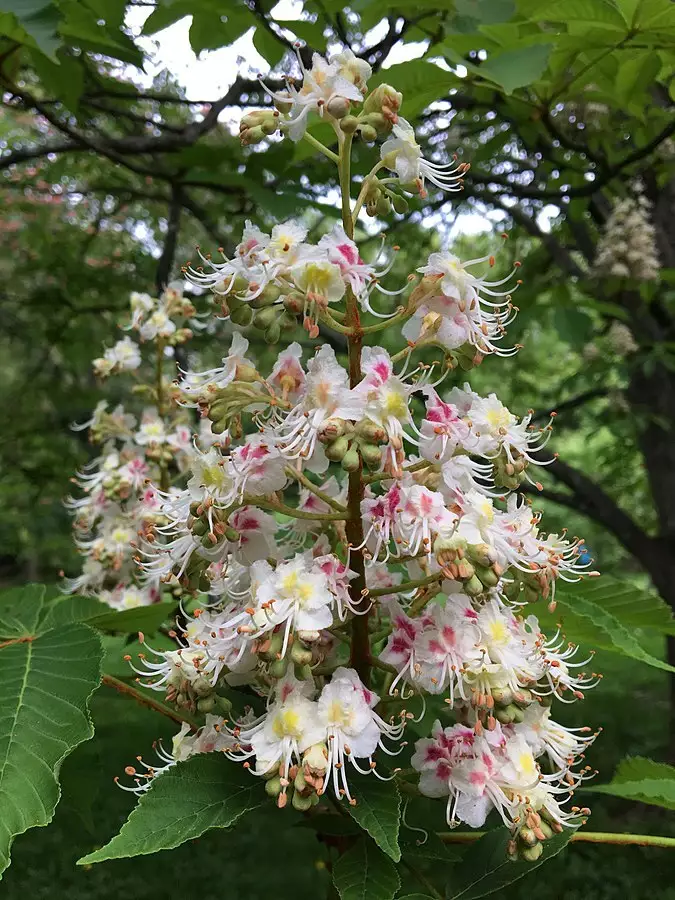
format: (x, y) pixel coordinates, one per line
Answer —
(118, 154)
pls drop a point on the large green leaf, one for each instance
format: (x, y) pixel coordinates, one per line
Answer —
(64, 610)
(486, 867)
(377, 810)
(644, 780)
(632, 606)
(46, 678)
(194, 796)
(365, 873)
(517, 68)
(588, 623)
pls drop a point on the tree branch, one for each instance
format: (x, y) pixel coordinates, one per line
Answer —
(588, 498)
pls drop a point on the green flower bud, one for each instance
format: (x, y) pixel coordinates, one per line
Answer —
(242, 315)
(473, 586)
(351, 461)
(527, 836)
(337, 449)
(220, 426)
(349, 124)
(301, 655)
(371, 455)
(273, 786)
(265, 317)
(279, 667)
(371, 432)
(399, 203)
(302, 804)
(532, 854)
(273, 333)
(368, 133)
(338, 107)
(206, 704)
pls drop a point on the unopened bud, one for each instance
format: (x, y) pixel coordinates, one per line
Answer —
(349, 124)
(351, 461)
(273, 333)
(242, 315)
(371, 455)
(338, 107)
(368, 133)
(399, 203)
(336, 450)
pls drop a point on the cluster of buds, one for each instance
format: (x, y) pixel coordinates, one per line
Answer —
(350, 444)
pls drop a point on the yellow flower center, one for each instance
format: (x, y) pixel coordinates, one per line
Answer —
(286, 723)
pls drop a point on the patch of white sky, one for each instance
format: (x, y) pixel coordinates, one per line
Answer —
(208, 76)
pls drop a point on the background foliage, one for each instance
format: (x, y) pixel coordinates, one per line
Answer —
(109, 180)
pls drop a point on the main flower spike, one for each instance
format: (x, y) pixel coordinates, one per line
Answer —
(345, 536)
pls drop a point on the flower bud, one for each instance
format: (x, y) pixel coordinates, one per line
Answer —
(273, 786)
(294, 302)
(338, 107)
(532, 854)
(278, 667)
(282, 104)
(302, 804)
(242, 315)
(332, 429)
(337, 449)
(351, 460)
(473, 587)
(368, 133)
(399, 203)
(349, 124)
(372, 433)
(273, 333)
(371, 455)
(301, 655)
(386, 101)
(265, 317)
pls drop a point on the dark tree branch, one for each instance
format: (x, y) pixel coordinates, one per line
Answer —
(588, 498)
(559, 254)
(572, 403)
(166, 260)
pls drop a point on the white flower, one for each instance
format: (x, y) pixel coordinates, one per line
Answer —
(152, 430)
(352, 729)
(402, 154)
(235, 364)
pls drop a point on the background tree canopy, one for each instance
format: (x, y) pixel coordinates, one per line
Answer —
(561, 106)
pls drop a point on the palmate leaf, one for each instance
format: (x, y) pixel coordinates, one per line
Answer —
(194, 796)
(641, 779)
(486, 867)
(377, 810)
(595, 622)
(46, 678)
(365, 873)
(632, 606)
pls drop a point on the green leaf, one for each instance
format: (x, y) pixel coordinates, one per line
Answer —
(421, 82)
(46, 679)
(377, 810)
(21, 610)
(632, 606)
(194, 796)
(486, 867)
(37, 22)
(65, 77)
(269, 47)
(141, 618)
(331, 825)
(209, 30)
(365, 873)
(309, 32)
(517, 68)
(641, 779)
(63, 610)
(573, 325)
(416, 897)
(166, 14)
(585, 622)
(486, 12)
(432, 848)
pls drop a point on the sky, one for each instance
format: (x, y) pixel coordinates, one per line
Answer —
(208, 77)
